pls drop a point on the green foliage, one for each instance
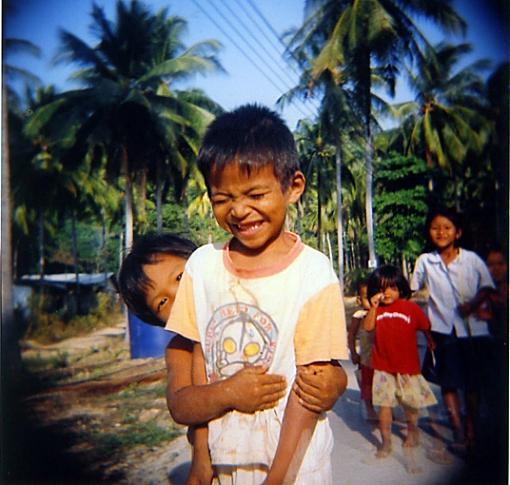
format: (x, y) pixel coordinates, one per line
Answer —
(132, 433)
(401, 204)
(48, 326)
(38, 363)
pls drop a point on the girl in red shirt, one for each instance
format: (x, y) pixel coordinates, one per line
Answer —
(395, 358)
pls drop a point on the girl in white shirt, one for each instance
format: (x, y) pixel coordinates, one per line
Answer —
(453, 276)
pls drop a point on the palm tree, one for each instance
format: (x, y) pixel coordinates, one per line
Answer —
(358, 35)
(10, 359)
(127, 107)
(444, 120)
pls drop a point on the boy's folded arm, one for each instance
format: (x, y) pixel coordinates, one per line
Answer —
(192, 401)
(295, 435)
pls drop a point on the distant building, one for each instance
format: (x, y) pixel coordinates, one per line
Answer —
(64, 294)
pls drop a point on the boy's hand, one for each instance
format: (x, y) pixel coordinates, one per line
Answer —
(201, 472)
(252, 389)
(318, 386)
(376, 299)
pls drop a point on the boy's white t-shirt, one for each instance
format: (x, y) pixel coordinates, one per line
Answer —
(279, 317)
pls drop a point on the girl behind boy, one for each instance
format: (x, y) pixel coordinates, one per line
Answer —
(395, 358)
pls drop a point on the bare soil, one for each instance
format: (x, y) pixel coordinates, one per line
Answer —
(89, 413)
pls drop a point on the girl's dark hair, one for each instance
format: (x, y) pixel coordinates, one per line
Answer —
(132, 283)
(388, 275)
(252, 136)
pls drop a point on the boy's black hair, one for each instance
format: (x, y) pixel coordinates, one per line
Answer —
(387, 275)
(252, 136)
(132, 282)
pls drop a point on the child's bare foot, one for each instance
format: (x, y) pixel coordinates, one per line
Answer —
(384, 451)
(412, 439)
(410, 460)
(439, 456)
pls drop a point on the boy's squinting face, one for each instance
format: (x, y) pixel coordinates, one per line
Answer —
(165, 275)
(443, 233)
(252, 207)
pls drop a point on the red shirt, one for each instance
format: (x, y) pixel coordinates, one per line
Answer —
(395, 348)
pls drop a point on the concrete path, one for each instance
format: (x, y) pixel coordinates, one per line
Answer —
(355, 444)
(356, 441)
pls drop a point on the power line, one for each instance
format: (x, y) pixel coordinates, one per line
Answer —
(259, 56)
(245, 54)
(257, 42)
(281, 56)
(277, 36)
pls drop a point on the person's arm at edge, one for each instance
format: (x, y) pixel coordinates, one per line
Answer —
(351, 339)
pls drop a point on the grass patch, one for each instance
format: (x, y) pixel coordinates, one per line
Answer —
(133, 433)
(58, 360)
(50, 327)
(135, 391)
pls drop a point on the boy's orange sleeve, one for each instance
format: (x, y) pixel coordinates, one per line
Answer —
(321, 331)
(182, 318)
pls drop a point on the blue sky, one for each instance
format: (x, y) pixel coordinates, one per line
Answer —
(40, 20)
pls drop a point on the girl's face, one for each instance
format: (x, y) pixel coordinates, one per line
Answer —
(443, 233)
(363, 297)
(389, 295)
(164, 275)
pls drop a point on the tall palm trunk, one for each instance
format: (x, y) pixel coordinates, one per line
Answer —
(74, 239)
(319, 207)
(128, 204)
(10, 355)
(142, 198)
(40, 238)
(103, 247)
(159, 197)
(367, 111)
(339, 217)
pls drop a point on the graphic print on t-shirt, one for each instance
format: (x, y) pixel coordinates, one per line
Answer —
(238, 334)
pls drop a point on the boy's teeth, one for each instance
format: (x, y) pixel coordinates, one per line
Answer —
(247, 227)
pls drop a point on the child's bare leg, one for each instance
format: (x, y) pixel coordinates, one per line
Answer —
(437, 453)
(411, 441)
(471, 412)
(412, 438)
(371, 414)
(452, 402)
(385, 418)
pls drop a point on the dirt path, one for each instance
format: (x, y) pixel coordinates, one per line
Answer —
(91, 413)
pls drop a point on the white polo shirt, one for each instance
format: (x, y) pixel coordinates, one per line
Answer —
(449, 286)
